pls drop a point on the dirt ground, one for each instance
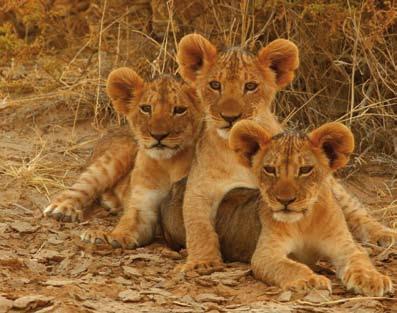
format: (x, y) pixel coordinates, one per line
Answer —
(44, 267)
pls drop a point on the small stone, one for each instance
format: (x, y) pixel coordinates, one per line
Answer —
(47, 309)
(64, 266)
(32, 302)
(187, 299)
(90, 305)
(130, 296)
(35, 267)
(145, 257)
(3, 228)
(317, 296)
(122, 281)
(209, 297)
(285, 296)
(9, 260)
(80, 268)
(105, 271)
(24, 227)
(58, 283)
(160, 300)
(157, 291)
(173, 255)
(19, 282)
(5, 304)
(54, 241)
(205, 282)
(7, 255)
(46, 255)
(230, 282)
(131, 272)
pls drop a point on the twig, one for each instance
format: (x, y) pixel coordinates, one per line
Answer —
(326, 303)
(99, 62)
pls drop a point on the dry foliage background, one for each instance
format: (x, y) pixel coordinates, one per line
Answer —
(348, 53)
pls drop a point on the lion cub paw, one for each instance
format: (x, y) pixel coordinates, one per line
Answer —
(64, 209)
(384, 237)
(202, 267)
(368, 282)
(114, 239)
(313, 281)
(96, 237)
(111, 203)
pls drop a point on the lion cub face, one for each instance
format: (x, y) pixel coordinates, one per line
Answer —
(235, 84)
(291, 168)
(163, 114)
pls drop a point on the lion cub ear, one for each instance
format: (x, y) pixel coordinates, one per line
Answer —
(195, 54)
(282, 57)
(191, 93)
(336, 141)
(122, 86)
(246, 138)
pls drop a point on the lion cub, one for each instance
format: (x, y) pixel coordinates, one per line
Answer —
(165, 120)
(300, 217)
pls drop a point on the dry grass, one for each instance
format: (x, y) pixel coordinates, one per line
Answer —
(348, 53)
(348, 60)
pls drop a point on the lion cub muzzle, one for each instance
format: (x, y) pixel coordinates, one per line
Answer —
(230, 110)
(284, 199)
(159, 137)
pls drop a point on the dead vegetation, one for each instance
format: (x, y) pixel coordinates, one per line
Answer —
(348, 52)
(55, 57)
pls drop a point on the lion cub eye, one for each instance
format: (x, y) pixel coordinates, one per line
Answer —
(215, 85)
(250, 86)
(305, 170)
(270, 170)
(179, 110)
(146, 108)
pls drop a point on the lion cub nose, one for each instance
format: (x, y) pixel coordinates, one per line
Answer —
(285, 201)
(159, 136)
(230, 118)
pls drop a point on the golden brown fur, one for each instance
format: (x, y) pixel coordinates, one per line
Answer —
(233, 85)
(165, 119)
(237, 222)
(108, 174)
(238, 227)
(112, 158)
(300, 217)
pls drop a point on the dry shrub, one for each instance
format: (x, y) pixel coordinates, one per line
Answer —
(348, 51)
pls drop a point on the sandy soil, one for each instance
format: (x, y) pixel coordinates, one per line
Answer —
(44, 267)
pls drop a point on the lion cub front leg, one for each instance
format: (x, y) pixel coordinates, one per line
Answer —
(101, 175)
(199, 211)
(138, 223)
(270, 263)
(356, 270)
